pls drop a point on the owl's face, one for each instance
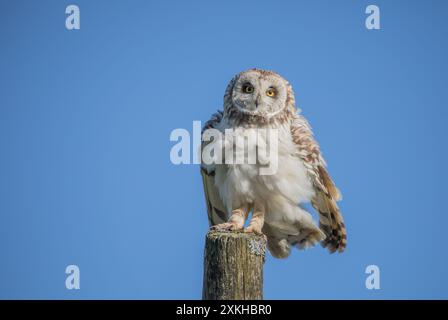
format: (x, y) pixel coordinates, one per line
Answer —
(259, 93)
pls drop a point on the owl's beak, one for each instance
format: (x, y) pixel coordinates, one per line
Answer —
(257, 101)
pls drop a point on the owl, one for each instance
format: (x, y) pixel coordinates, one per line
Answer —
(260, 99)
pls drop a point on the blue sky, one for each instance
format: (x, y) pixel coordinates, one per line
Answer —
(85, 119)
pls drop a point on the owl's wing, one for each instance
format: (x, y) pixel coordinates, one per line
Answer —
(330, 218)
(215, 207)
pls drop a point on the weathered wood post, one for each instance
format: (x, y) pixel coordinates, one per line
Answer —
(233, 266)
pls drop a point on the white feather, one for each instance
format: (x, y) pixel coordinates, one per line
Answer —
(280, 193)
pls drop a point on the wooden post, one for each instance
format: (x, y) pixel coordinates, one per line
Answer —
(233, 266)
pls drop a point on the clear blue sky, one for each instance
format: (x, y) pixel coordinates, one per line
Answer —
(85, 119)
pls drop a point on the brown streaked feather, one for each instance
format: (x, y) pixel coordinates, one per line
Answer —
(216, 210)
(329, 184)
(213, 121)
(331, 221)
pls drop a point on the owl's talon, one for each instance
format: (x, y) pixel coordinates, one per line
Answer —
(252, 229)
(226, 226)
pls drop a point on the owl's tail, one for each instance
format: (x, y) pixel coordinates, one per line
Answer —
(330, 222)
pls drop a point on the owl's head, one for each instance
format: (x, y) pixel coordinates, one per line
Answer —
(259, 93)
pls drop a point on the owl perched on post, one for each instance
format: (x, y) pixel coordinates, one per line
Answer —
(256, 99)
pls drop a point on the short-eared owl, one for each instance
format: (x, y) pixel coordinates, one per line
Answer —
(258, 99)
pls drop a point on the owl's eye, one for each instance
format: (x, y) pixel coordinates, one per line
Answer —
(271, 92)
(248, 88)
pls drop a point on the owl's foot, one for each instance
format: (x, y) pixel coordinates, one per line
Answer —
(254, 229)
(236, 221)
(227, 226)
(257, 221)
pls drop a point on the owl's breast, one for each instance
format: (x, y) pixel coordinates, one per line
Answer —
(278, 174)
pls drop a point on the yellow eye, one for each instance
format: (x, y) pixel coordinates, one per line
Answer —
(271, 92)
(247, 88)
